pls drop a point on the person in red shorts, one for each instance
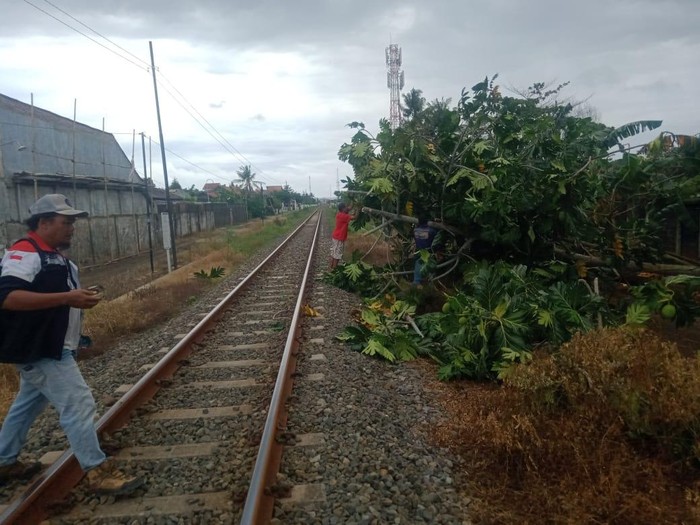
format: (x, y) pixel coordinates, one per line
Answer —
(340, 233)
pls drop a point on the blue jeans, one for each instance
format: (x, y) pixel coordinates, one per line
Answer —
(417, 267)
(61, 384)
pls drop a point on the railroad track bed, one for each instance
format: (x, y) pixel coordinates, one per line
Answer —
(195, 443)
(355, 450)
(361, 454)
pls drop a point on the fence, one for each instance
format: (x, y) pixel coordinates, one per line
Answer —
(118, 222)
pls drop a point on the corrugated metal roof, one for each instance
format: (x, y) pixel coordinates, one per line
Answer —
(51, 144)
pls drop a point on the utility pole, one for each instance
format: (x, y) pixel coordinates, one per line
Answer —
(148, 201)
(165, 167)
(262, 197)
(394, 81)
(72, 159)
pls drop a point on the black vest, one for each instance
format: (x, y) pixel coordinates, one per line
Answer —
(27, 336)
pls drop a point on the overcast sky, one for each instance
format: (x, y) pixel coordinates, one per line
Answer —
(273, 84)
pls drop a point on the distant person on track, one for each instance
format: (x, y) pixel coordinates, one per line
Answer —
(340, 234)
(41, 305)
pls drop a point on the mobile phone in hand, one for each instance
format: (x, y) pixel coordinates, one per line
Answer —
(97, 290)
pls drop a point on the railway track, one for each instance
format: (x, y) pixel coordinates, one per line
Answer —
(209, 412)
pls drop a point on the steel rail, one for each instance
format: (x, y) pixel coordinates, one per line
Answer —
(54, 484)
(259, 503)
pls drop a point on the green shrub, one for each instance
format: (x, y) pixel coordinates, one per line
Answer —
(502, 313)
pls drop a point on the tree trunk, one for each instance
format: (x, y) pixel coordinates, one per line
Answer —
(412, 220)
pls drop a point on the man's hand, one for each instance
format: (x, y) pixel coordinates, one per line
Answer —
(82, 298)
(24, 300)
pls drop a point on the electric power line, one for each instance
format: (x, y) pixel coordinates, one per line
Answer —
(193, 164)
(86, 36)
(213, 128)
(98, 34)
(238, 155)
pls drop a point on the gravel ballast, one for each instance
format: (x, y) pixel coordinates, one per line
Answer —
(373, 464)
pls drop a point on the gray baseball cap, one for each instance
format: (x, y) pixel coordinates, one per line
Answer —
(55, 203)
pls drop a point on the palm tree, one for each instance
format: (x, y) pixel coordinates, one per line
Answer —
(413, 103)
(247, 177)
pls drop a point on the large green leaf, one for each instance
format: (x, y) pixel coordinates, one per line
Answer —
(628, 130)
(637, 314)
(404, 348)
(488, 288)
(381, 185)
(370, 317)
(374, 347)
(353, 271)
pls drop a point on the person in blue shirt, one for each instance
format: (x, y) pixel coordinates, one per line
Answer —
(424, 237)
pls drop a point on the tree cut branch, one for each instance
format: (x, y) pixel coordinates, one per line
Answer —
(412, 220)
(663, 269)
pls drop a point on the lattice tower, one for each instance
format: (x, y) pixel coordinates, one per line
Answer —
(394, 81)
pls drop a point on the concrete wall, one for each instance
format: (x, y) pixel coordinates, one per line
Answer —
(115, 228)
(194, 217)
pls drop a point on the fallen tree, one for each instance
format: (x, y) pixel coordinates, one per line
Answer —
(534, 205)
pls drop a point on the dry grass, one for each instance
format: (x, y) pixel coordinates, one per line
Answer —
(374, 252)
(159, 300)
(606, 432)
(9, 384)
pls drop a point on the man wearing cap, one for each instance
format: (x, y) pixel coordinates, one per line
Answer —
(40, 320)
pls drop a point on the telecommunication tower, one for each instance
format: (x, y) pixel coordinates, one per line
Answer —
(394, 81)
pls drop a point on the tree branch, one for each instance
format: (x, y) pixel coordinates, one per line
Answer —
(412, 220)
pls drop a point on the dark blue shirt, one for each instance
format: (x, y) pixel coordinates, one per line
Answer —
(424, 236)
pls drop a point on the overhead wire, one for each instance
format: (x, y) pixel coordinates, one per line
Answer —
(146, 67)
(210, 125)
(97, 33)
(237, 154)
(86, 36)
(194, 164)
(180, 157)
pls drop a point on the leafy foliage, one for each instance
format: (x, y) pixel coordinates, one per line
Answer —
(381, 331)
(502, 313)
(214, 273)
(246, 176)
(678, 291)
(629, 130)
(543, 206)
(355, 276)
(522, 176)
